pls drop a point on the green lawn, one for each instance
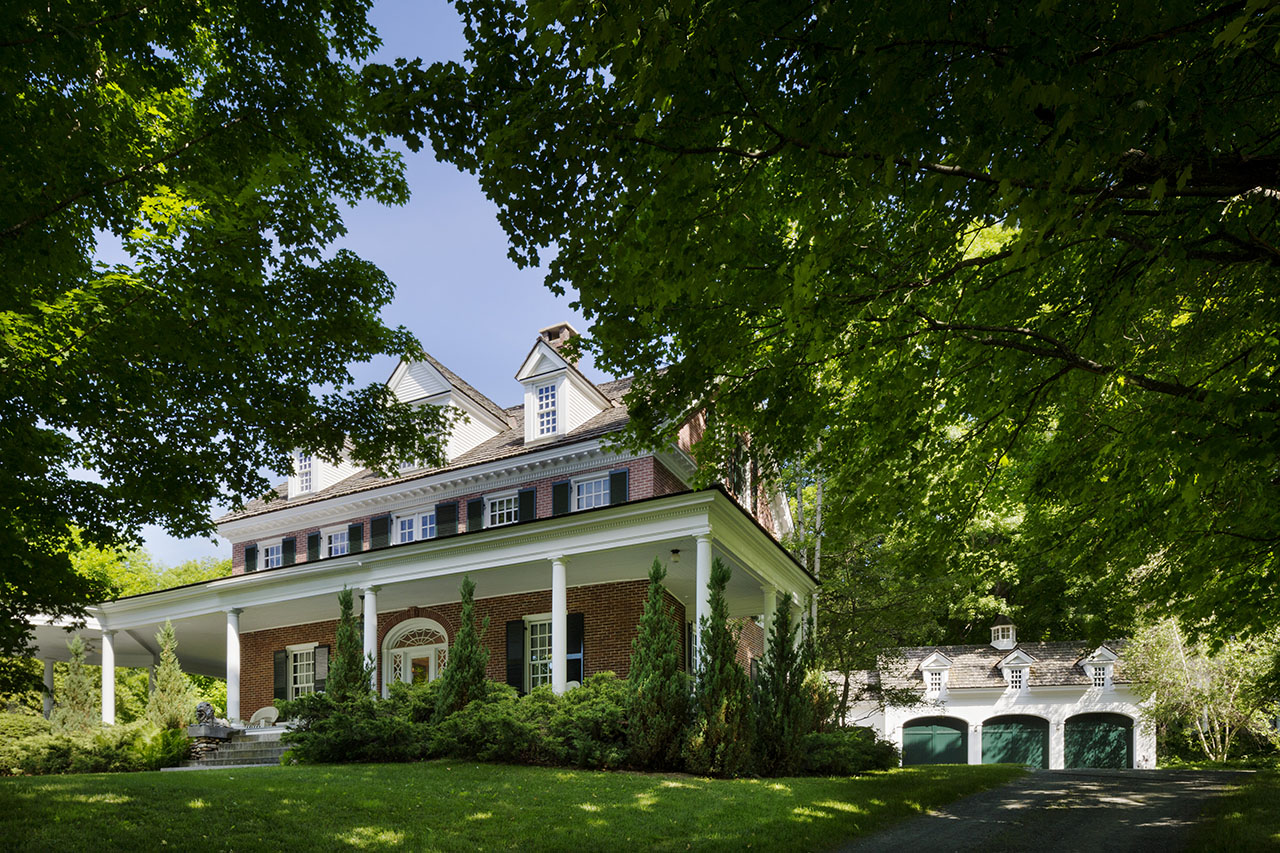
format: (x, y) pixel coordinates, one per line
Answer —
(1247, 818)
(449, 805)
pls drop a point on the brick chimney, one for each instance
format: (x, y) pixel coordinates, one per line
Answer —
(557, 335)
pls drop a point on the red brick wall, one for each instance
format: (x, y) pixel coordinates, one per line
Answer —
(611, 613)
(750, 641)
(664, 482)
(642, 481)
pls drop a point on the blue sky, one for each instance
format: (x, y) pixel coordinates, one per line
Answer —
(456, 289)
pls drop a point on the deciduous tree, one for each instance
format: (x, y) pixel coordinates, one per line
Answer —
(215, 144)
(1023, 249)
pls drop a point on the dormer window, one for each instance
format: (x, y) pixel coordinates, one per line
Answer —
(1017, 678)
(304, 472)
(546, 400)
(1098, 667)
(933, 681)
(934, 668)
(1099, 676)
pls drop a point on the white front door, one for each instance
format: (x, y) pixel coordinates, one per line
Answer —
(417, 663)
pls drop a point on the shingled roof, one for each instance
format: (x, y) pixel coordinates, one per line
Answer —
(507, 444)
(1056, 664)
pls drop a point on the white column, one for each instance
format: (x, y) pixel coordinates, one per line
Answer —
(233, 663)
(109, 677)
(702, 600)
(559, 625)
(48, 688)
(797, 619)
(770, 607)
(371, 631)
(1057, 746)
(975, 743)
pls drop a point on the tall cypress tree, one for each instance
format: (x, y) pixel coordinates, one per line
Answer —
(464, 676)
(350, 675)
(172, 704)
(784, 714)
(721, 736)
(76, 710)
(658, 695)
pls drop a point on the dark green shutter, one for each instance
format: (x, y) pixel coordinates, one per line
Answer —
(380, 532)
(475, 514)
(618, 486)
(289, 550)
(355, 538)
(251, 558)
(313, 547)
(560, 498)
(573, 653)
(281, 667)
(322, 667)
(446, 519)
(515, 654)
(528, 504)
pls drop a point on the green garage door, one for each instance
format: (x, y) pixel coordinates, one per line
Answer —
(935, 740)
(1016, 739)
(1099, 740)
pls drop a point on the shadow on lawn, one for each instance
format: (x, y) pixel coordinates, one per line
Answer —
(456, 806)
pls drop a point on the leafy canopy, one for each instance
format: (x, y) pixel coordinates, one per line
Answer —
(214, 142)
(1015, 259)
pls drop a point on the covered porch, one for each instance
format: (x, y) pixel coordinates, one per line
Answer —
(546, 563)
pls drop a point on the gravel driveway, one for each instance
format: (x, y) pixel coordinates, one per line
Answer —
(1066, 810)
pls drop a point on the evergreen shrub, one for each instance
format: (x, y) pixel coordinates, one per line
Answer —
(359, 729)
(500, 726)
(14, 726)
(844, 752)
(112, 749)
(657, 690)
(589, 728)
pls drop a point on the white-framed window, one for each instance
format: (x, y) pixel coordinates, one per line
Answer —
(591, 493)
(539, 652)
(502, 509)
(1099, 676)
(545, 397)
(933, 680)
(302, 670)
(272, 555)
(337, 543)
(304, 472)
(1017, 678)
(419, 525)
(1003, 632)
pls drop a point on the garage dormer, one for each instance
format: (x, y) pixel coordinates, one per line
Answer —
(1016, 668)
(1100, 667)
(935, 669)
(557, 397)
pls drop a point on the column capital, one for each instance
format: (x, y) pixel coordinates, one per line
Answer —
(234, 611)
(372, 588)
(562, 559)
(109, 632)
(703, 535)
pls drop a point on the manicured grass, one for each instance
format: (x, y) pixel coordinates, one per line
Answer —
(1247, 818)
(449, 805)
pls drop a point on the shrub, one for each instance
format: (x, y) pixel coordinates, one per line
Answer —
(361, 729)
(720, 738)
(463, 679)
(499, 726)
(844, 752)
(76, 710)
(784, 709)
(172, 703)
(350, 676)
(590, 724)
(657, 691)
(123, 748)
(164, 748)
(18, 726)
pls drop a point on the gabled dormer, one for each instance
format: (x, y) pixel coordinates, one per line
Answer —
(312, 474)
(1100, 667)
(935, 669)
(1004, 634)
(557, 397)
(1016, 668)
(428, 382)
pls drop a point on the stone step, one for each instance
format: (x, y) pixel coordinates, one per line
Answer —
(249, 747)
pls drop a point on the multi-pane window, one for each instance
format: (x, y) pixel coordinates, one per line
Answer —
(539, 653)
(272, 556)
(1017, 678)
(546, 395)
(339, 544)
(1004, 633)
(303, 672)
(591, 493)
(414, 527)
(933, 681)
(304, 472)
(1099, 676)
(504, 510)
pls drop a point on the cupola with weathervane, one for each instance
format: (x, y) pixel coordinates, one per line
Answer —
(1004, 634)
